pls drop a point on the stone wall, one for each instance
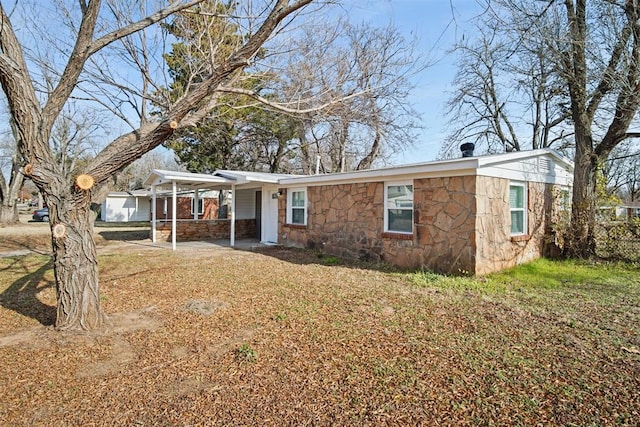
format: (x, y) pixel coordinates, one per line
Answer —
(497, 250)
(348, 220)
(444, 217)
(344, 220)
(246, 229)
(206, 230)
(461, 225)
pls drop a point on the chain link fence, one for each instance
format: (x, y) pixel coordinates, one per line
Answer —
(618, 240)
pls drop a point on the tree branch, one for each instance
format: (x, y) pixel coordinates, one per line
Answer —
(609, 75)
(283, 106)
(127, 148)
(21, 97)
(77, 59)
(140, 25)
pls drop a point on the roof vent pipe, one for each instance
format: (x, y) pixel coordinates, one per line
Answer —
(467, 149)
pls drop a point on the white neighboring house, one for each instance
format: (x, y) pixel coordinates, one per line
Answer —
(125, 206)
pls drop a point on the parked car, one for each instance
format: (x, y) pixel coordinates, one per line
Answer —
(41, 215)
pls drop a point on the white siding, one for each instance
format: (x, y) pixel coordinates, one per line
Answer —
(245, 204)
(537, 169)
(143, 213)
(125, 209)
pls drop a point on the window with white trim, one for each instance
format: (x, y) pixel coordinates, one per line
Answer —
(398, 207)
(297, 206)
(518, 208)
(200, 205)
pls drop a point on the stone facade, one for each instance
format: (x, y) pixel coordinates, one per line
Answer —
(344, 220)
(496, 249)
(206, 230)
(461, 224)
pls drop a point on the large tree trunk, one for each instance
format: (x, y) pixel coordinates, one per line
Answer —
(9, 194)
(75, 266)
(74, 251)
(8, 212)
(581, 242)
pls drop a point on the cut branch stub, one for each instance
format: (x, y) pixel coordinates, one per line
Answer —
(173, 124)
(59, 231)
(84, 181)
(28, 169)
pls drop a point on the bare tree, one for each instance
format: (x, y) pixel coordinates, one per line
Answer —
(622, 171)
(340, 60)
(76, 137)
(11, 179)
(593, 49)
(507, 95)
(134, 175)
(365, 67)
(600, 64)
(99, 37)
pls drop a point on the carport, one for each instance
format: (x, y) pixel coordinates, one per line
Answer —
(260, 198)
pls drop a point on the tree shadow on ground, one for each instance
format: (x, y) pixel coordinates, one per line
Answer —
(37, 244)
(308, 256)
(124, 235)
(22, 295)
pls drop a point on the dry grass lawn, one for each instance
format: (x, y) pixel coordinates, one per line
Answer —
(284, 337)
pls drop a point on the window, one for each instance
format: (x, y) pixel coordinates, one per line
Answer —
(398, 212)
(200, 206)
(518, 208)
(297, 206)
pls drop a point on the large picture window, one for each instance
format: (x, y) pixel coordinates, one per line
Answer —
(518, 208)
(297, 206)
(398, 202)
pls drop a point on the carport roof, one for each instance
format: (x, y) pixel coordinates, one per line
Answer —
(220, 178)
(160, 177)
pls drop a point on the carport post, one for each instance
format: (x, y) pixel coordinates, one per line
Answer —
(232, 239)
(174, 214)
(153, 213)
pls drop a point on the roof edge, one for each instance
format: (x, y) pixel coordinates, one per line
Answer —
(450, 167)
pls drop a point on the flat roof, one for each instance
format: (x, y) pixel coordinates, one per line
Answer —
(440, 168)
(491, 165)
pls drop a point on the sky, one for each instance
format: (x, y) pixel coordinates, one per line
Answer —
(437, 24)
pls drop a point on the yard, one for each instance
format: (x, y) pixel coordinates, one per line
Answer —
(289, 337)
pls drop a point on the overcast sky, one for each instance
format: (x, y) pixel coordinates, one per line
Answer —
(437, 24)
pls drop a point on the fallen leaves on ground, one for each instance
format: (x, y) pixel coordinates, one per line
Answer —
(277, 337)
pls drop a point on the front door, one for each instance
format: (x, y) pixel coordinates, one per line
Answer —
(269, 215)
